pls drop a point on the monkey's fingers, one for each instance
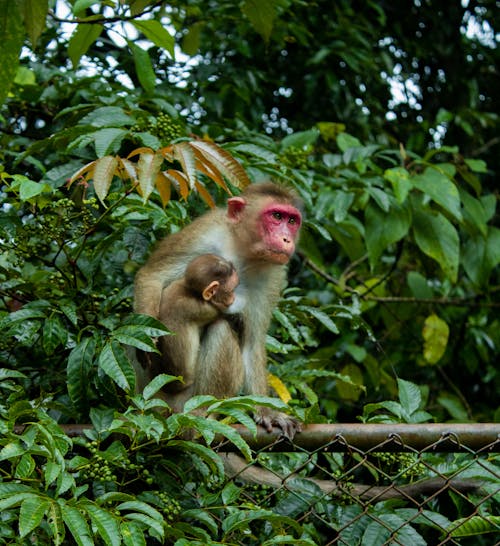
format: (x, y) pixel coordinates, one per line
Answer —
(288, 425)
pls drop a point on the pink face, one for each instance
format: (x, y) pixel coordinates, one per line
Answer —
(279, 226)
(267, 233)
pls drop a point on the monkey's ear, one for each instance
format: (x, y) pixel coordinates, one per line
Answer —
(235, 207)
(210, 290)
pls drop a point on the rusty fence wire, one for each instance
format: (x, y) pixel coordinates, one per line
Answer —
(376, 485)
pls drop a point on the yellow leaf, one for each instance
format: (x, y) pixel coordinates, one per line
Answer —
(148, 168)
(280, 388)
(205, 195)
(164, 187)
(80, 173)
(104, 171)
(179, 180)
(435, 334)
(183, 153)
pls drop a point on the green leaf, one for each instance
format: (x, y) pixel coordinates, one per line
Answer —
(81, 39)
(437, 238)
(31, 513)
(435, 333)
(473, 526)
(440, 189)
(35, 13)
(78, 369)
(81, 5)
(481, 256)
(76, 524)
(105, 522)
(11, 38)
(113, 362)
(346, 141)
(419, 286)
(108, 140)
(261, 14)
(143, 507)
(156, 384)
(384, 229)
(409, 396)
(132, 533)
(25, 466)
(301, 139)
(54, 334)
(157, 33)
(400, 180)
(143, 67)
(55, 523)
(477, 165)
(322, 317)
(108, 116)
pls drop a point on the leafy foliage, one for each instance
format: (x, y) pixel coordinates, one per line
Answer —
(120, 122)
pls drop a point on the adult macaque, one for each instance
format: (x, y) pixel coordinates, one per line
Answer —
(187, 305)
(257, 233)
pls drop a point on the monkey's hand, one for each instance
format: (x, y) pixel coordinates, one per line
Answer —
(269, 418)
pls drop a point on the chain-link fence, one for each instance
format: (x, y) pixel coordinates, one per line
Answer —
(376, 485)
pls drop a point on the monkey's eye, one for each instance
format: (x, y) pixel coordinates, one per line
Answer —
(277, 215)
(292, 220)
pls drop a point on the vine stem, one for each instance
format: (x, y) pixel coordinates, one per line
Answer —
(470, 301)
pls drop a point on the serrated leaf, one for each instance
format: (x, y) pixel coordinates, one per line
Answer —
(25, 466)
(409, 396)
(108, 140)
(148, 168)
(179, 180)
(435, 333)
(105, 522)
(104, 171)
(11, 38)
(55, 523)
(114, 363)
(51, 472)
(164, 187)
(31, 513)
(76, 524)
(79, 365)
(215, 157)
(322, 317)
(437, 238)
(156, 384)
(184, 154)
(54, 334)
(108, 116)
(80, 41)
(132, 533)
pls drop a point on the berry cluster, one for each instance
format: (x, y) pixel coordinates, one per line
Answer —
(164, 127)
(169, 506)
(405, 465)
(295, 158)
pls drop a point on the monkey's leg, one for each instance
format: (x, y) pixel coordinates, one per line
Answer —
(219, 369)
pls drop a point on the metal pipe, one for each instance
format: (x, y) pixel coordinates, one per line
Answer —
(342, 437)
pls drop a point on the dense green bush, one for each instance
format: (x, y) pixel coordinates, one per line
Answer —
(103, 143)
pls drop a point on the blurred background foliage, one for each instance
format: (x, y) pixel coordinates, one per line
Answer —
(383, 116)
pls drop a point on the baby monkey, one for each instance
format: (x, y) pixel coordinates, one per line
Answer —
(187, 307)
